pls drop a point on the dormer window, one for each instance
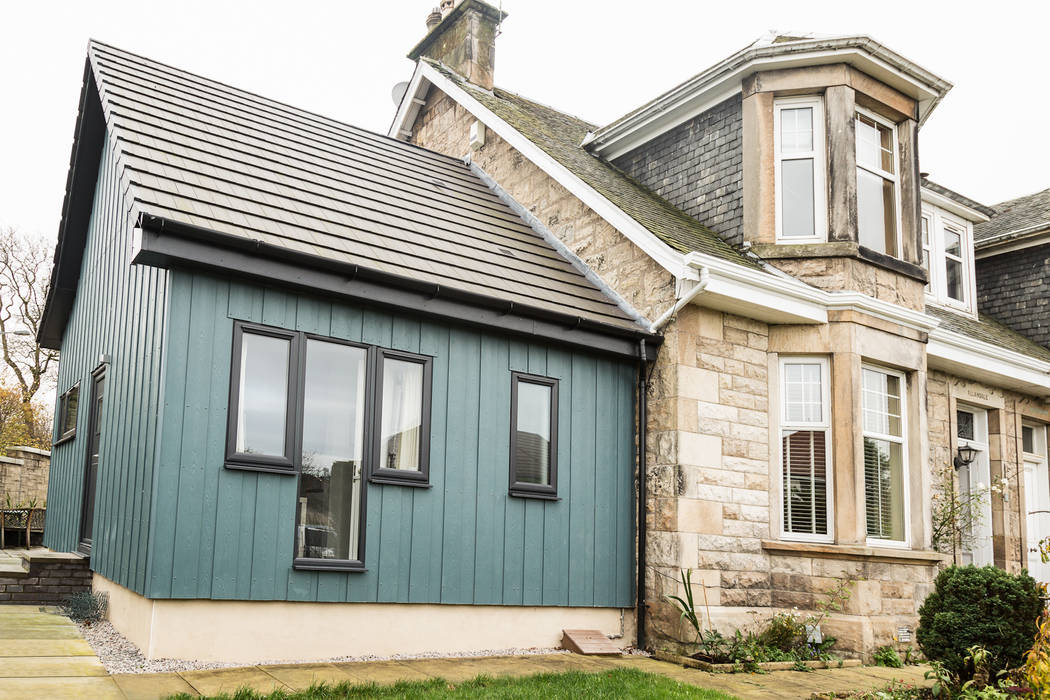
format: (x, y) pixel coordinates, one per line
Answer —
(878, 217)
(948, 242)
(801, 210)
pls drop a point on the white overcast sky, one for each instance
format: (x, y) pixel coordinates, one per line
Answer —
(988, 139)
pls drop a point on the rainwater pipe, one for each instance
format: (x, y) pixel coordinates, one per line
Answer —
(695, 291)
(643, 384)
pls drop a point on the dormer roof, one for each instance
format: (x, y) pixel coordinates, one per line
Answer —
(772, 51)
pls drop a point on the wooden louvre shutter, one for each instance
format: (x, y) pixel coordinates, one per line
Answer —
(805, 481)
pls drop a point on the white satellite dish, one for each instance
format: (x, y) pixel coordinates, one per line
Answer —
(398, 93)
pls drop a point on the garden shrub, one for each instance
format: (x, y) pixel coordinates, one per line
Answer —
(887, 656)
(979, 606)
(86, 607)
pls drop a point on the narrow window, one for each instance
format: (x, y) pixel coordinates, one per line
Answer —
(954, 263)
(331, 499)
(67, 414)
(805, 427)
(799, 142)
(877, 184)
(260, 434)
(925, 225)
(533, 436)
(885, 478)
(403, 440)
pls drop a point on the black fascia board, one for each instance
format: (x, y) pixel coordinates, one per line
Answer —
(88, 141)
(166, 243)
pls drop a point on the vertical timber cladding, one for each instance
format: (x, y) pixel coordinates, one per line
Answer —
(226, 534)
(119, 312)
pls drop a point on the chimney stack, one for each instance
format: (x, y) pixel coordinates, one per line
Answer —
(463, 38)
(433, 19)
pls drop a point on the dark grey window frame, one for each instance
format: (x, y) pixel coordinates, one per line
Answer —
(523, 490)
(286, 463)
(291, 463)
(399, 477)
(351, 565)
(63, 406)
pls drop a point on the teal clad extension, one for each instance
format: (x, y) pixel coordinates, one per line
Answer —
(297, 348)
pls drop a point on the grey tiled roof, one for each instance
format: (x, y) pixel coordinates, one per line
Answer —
(559, 135)
(989, 330)
(1021, 215)
(956, 197)
(204, 154)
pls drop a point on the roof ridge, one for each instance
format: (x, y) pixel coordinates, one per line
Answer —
(259, 98)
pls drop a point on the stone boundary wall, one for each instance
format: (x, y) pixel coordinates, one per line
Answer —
(23, 476)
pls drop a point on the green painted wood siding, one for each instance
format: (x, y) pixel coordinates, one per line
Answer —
(220, 533)
(119, 311)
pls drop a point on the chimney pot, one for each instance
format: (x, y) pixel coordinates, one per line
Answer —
(433, 19)
(446, 6)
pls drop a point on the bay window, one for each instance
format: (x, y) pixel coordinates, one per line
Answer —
(878, 216)
(801, 215)
(805, 426)
(885, 466)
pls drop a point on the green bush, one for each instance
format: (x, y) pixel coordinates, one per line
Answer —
(86, 607)
(887, 656)
(984, 607)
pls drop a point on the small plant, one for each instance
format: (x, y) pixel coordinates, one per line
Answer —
(801, 666)
(979, 606)
(1036, 670)
(887, 656)
(686, 605)
(86, 607)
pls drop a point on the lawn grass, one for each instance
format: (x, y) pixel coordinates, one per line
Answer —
(574, 685)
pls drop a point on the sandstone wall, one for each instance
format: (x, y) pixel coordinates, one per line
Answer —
(23, 476)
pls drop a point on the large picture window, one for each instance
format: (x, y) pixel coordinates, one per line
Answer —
(801, 209)
(877, 207)
(330, 478)
(330, 412)
(534, 436)
(885, 467)
(403, 439)
(805, 425)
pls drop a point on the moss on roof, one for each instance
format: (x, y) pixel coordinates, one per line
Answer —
(989, 330)
(559, 135)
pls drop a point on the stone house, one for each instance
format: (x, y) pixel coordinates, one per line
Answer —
(825, 352)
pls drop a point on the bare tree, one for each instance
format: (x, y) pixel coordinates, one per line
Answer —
(25, 273)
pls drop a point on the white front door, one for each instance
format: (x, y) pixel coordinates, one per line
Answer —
(975, 479)
(1037, 498)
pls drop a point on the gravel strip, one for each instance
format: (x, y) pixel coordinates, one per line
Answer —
(119, 655)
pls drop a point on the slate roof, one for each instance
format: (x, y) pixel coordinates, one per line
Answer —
(989, 330)
(559, 135)
(956, 197)
(1029, 213)
(204, 154)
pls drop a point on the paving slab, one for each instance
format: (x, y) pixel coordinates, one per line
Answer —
(302, 676)
(227, 680)
(561, 663)
(50, 666)
(45, 647)
(60, 689)
(151, 686)
(38, 631)
(381, 672)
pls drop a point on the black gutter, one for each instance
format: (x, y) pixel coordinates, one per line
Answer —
(166, 243)
(642, 487)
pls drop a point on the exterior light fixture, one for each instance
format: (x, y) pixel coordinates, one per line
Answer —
(965, 456)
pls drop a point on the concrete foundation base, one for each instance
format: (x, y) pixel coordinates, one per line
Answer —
(255, 631)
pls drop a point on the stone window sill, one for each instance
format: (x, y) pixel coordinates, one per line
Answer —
(854, 551)
(838, 249)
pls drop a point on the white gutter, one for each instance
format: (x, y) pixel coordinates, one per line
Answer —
(697, 290)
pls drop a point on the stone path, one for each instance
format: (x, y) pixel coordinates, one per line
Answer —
(42, 655)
